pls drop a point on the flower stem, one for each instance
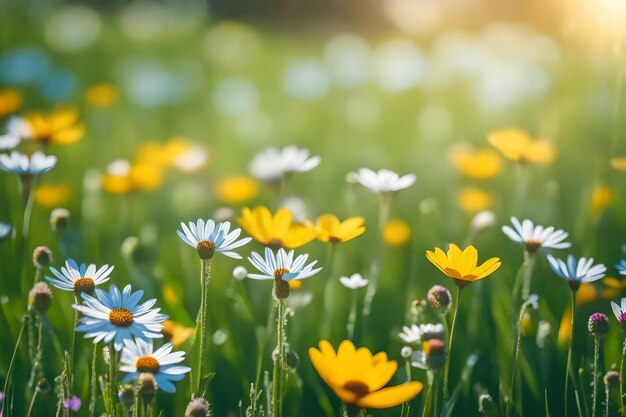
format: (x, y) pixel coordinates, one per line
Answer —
(529, 264)
(596, 355)
(277, 379)
(428, 397)
(93, 386)
(36, 366)
(621, 375)
(352, 316)
(205, 278)
(447, 367)
(607, 393)
(32, 403)
(407, 405)
(516, 351)
(112, 378)
(351, 411)
(569, 353)
(70, 363)
(10, 369)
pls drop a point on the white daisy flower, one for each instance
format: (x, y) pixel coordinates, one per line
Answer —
(354, 282)
(18, 163)
(139, 356)
(384, 181)
(272, 165)
(282, 266)
(208, 237)
(8, 142)
(432, 331)
(575, 271)
(117, 316)
(19, 127)
(620, 311)
(80, 279)
(411, 334)
(536, 237)
(621, 267)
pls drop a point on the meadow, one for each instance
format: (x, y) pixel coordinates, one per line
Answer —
(451, 185)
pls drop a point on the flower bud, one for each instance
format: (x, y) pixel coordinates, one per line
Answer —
(42, 257)
(126, 396)
(486, 404)
(147, 387)
(240, 273)
(598, 324)
(40, 297)
(612, 380)
(43, 385)
(440, 299)
(198, 407)
(406, 352)
(281, 288)
(292, 359)
(434, 351)
(59, 219)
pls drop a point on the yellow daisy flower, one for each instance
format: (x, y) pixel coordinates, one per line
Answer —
(473, 199)
(462, 265)
(619, 163)
(478, 164)
(396, 233)
(101, 95)
(236, 190)
(601, 198)
(60, 127)
(278, 230)
(614, 287)
(175, 333)
(10, 100)
(49, 195)
(515, 144)
(357, 377)
(332, 230)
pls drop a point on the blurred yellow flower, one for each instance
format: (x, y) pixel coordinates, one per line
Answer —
(614, 287)
(175, 333)
(117, 184)
(295, 284)
(396, 233)
(278, 230)
(565, 329)
(236, 190)
(10, 101)
(587, 293)
(101, 95)
(49, 195)
(619, 163)
(479, 164)
(122, 177)
(358, 378)
(462, 265)
(146, 177)
(60, 127)
(517, 145)
(601, 198)
(473, 199)
(332, 230)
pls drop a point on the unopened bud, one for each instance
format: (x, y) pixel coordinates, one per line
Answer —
(59, 219)
(126, 396)
(440, 299)
(40, 297)
(198, 407)
(42, 256)
(147, 387)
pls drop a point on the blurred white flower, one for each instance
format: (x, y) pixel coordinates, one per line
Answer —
(432, 331)
(192, 160)
(384, 181)
(347, 60)
(5, 230)
(354, 282)
(235, 96)
(411, 334)
(398, 65)
(18, 163)
(482, 220)
(118, 167)
(73, 29)
(305, 79)
(297, 207)
(8, 142)
(240, 273)
(272, 165)
(18, 127)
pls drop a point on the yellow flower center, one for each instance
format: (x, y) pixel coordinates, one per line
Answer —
(359, 388)
(278, 274)
(121, 317)
(84, 285)
(147, 364)
(205, 249)
(533, 245)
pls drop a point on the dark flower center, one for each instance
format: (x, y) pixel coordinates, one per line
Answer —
(359, 388)
(84, 285)
(205, 249)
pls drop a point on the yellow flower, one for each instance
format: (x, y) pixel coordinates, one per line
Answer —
(473, 199)
(117, 184)
(101, 95)
(586, 293)
(332, 230)
(565, 329)
(146, 177)
(619, 163)
(601, 198)
(123, 177)
(614, 287)
(236, 190)
(60, 127)
(10, 101)
(49, 195)
(278, 230)
(175, 333)
(462, 265)
(396, 233)
(517, 145)
(295, 284)
(479, 164)
(358, 378)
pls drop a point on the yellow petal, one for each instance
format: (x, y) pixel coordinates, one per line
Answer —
(391, 396)
(468, 260)
(487, 268)
(298, 235)
(380, 374)
(69, 135)
(63, 118)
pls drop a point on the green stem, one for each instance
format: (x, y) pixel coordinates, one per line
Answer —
(70, 363)
(10, 369)
(518, 336)
(450, 339)
(529, 264)
(607, 399)
(205, 278)
(351, 411)
(569, 353)
(112, 379)
(596, 354)
(92, 384)
(621, 375)
(32, 403)
(277, 379)
(36, 366)
(352, 316)
(407, 405)
(428, 397)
